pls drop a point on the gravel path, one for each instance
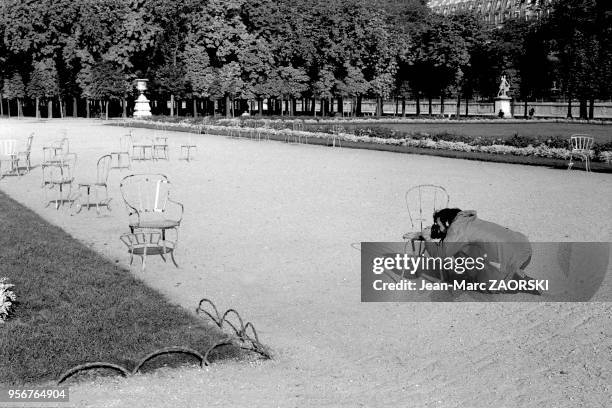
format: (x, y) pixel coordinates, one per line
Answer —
(268, 229)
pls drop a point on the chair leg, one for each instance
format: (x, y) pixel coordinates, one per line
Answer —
(107, 200)
(588, 163)
(173, 260)
(97, 200)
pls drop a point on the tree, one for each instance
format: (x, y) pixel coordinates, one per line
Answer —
(353, 86)
(199, 74)
(14, 89)
(573, 30)
(104, 82)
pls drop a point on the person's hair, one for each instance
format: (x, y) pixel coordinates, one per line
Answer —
(446, 215)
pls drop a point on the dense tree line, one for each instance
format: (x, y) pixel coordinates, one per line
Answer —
(216, 55)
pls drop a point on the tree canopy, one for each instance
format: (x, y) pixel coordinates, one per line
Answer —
(230, 50)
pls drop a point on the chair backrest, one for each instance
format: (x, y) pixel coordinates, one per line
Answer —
(581, 142)
(146, 193)
(62, 170)
(28, 146)
(125, 142)
(63, 144)
(422, 201)
(8, 147)
(103, 168)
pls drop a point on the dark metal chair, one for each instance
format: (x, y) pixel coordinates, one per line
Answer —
(150, 208)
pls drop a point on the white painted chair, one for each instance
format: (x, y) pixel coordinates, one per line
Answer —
(8, 157)
(581, 146)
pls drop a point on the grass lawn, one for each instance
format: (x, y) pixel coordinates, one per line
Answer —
(76, 307)
(545, 130)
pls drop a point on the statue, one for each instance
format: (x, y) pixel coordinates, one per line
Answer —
(504, 87)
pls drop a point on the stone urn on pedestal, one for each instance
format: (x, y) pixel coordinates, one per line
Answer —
(503, 103)
(142, 107)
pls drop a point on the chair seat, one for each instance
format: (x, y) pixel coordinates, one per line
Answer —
(156, 224)
(60, 181)
(91, 183)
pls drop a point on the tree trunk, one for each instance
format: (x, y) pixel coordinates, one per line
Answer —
(358, 106)
(61, 106)
(458, 112)
(50, 108)
(293, 106)
(74, 107)
(403, 106)
(591, 108)
(172, 105)
(583, 109)
(569, 107)
(430, 111)
(37, 107)
(260, 106)
(228, 112)
(106, 109)
(396, 106)
(88, 109)
(1, 106)
(379, 106)
(418, 105)
(526, 106)
(8, 106)
(124, 108)
(467, 106)
(442, 105)
(19, 108)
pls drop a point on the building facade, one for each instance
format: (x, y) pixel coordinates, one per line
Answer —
(493, 11)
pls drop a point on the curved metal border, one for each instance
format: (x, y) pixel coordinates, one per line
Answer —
(169, 350)
(89, 366)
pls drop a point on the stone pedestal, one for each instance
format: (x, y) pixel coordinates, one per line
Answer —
(142, 107)
(502, 103)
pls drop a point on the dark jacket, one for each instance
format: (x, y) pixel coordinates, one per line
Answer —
(507, 252)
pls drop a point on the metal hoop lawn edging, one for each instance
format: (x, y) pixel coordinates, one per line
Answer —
(243, 340)
(89, 366)
(242, 335)
(169, 350)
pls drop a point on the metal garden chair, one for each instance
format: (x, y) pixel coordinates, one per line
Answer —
(59, 174)
(187, 147)
(142, 148)
(8, 157)
(56, 151)
(422, 201)
(102, 169)
(25, 154)
(150, 208)
(160, 148)
(121, 157)
(580, 146)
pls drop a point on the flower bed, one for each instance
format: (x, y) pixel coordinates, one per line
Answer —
(521, 146)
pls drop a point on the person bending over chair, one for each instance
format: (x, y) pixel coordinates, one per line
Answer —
(463, 234)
